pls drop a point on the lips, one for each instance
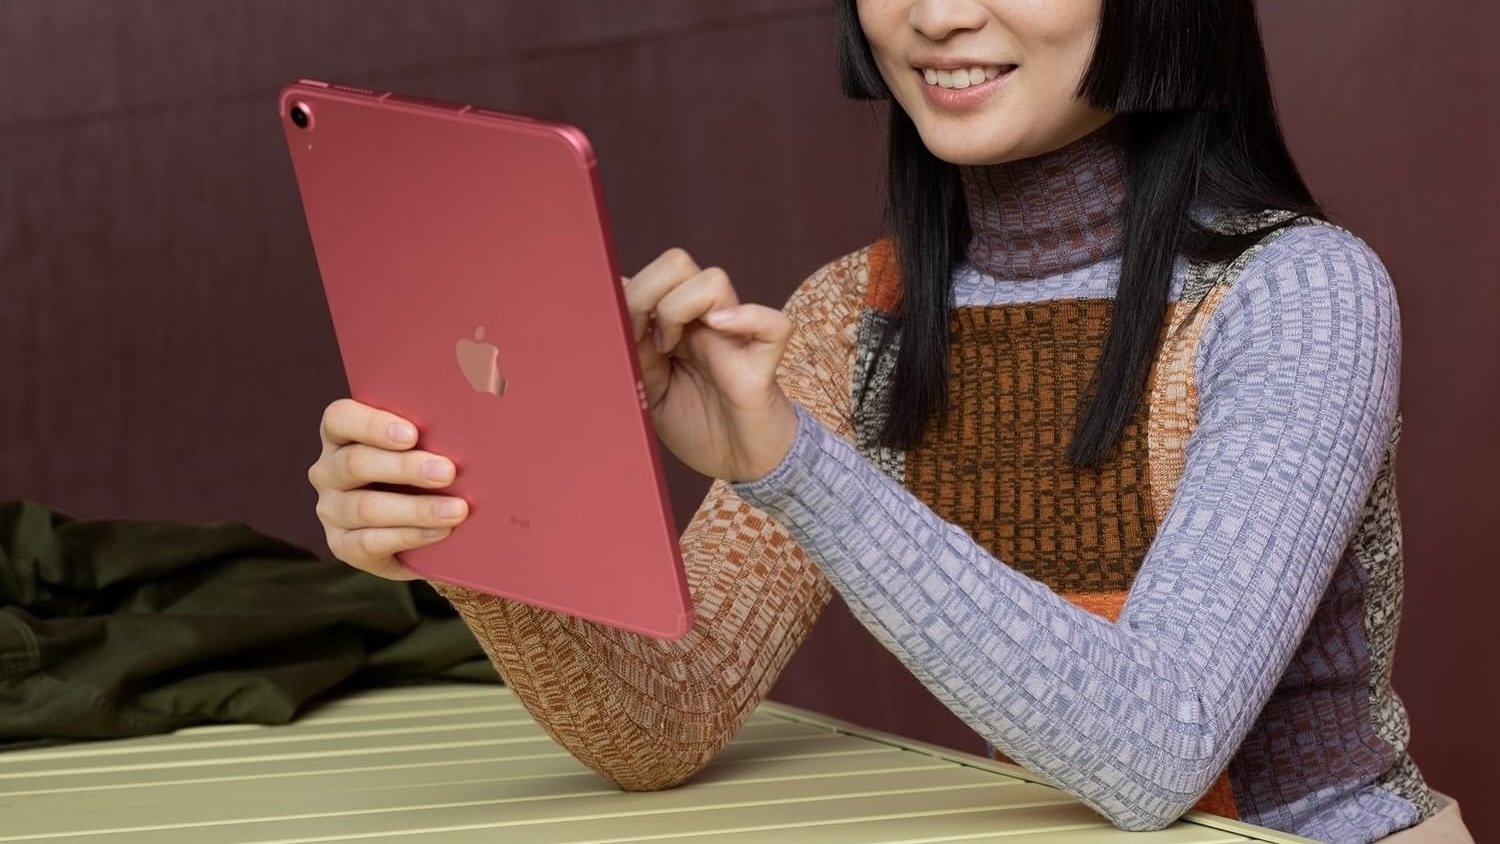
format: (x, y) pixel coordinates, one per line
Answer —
(955, 89)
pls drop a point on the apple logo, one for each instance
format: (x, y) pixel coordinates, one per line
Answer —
(479, 362)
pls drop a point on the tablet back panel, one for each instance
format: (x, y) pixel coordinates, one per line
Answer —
(473, 288)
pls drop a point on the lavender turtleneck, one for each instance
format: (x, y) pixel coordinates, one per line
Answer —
(1256, 636)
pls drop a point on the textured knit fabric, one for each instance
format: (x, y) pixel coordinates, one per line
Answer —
(1207, 619)
(647, 713)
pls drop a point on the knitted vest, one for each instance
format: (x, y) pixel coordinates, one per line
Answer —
(1084, 532)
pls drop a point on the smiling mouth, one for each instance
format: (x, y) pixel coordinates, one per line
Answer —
(963, 77)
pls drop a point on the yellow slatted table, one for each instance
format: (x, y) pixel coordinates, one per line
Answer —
(453, 763)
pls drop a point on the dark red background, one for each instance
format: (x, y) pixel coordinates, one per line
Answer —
(167, 352)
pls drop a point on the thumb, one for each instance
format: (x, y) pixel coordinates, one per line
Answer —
(757, 323)
(762, 330)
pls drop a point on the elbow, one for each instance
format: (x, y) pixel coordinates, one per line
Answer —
(1141, 803)
(1146, 824)
(1144, 780)
(658, 776)
(1149, 820)
(1140, 817)
(1157, 798)
(1164, 798)
(671, 753)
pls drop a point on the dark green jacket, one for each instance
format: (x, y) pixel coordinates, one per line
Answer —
(118, 628)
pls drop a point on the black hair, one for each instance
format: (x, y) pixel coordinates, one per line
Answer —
(1187, 80)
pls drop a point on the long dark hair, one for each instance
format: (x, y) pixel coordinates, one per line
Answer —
(1188, 80)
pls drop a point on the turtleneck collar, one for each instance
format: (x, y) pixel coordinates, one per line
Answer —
(1051, 213)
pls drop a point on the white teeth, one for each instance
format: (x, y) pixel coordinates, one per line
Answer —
(961, 78)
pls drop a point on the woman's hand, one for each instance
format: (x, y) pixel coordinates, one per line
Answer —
(709, 364)
(366, 528)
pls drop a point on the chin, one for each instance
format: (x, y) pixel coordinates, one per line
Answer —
(966, 142)
(970, 156)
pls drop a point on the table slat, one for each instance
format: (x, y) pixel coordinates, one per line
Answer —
(457, 763)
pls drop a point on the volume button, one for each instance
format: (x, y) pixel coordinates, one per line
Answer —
(504, 115)
(441, 105)
(350, 89)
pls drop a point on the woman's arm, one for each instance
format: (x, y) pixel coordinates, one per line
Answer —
(648, 713)
(1297, 379)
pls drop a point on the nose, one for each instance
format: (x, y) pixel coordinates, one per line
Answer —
(941, 19)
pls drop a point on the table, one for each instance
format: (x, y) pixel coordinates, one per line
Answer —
(464, 763)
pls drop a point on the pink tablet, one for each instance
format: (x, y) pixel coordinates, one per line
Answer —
(466, 258)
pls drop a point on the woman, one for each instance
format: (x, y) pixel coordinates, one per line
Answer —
(1099, 442)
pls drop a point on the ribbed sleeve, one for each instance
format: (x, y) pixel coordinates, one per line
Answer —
(1297, 377)
(647, 713)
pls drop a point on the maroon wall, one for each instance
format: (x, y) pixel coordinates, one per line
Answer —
(1390, 109)
(167, 351)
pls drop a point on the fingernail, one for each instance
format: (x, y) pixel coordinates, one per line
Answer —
(432, 532)
(450, 509)
(402, 432)
(436, 470)
(660, 341)
(718, 317)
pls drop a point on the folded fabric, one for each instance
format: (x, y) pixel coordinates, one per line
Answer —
(117, 628)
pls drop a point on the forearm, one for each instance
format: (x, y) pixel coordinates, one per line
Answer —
(1099, 709)
(1137, 718)
(648, 713)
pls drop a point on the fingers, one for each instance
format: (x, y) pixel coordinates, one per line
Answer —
(362, 508)
(373, 549)
(348, 421)
(754, 322)
(366, 528)
(654, 281)
(357, 465)
(704, 291)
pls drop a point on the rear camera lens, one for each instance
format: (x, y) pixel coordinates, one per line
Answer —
(300, 117)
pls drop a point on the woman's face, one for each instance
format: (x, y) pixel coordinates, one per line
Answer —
(987, 81)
